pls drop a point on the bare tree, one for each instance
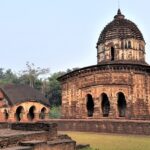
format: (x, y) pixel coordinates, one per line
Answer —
(32, 73)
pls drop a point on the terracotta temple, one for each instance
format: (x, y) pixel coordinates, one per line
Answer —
(118, 87)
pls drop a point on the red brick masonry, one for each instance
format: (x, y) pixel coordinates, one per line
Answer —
(104, 126)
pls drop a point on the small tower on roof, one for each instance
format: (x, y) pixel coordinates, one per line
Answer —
(121, 40)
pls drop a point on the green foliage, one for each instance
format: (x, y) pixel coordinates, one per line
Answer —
(54, 89)
(7, 77)
(55, 112)
(50, 87)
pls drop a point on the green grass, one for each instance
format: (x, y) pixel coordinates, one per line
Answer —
(100, 141)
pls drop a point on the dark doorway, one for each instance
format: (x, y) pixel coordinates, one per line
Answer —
(31, 114)
(105, 105)
(90, 105)
(6, 115)
(129, 44)
(43, 113)
(112, 54)
(121, 105)
(19, 113)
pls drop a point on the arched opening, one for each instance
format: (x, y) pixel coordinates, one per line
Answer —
(112, 54)
(121, 104)
(90, 105)
(6, 115)
(105, 105)
(139, 47)
(31, 113)
(19, 113)
(42, 113)
(129, 44)
(126, 45)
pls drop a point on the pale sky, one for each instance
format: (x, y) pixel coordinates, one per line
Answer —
(61, 34)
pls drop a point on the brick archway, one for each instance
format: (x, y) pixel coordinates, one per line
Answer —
(105, 105)
(42, 114)
(31, 113)
(6, 115)
(19, 113)
(90, 105)
(121, 104)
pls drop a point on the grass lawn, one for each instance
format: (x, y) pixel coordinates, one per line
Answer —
(101, 141)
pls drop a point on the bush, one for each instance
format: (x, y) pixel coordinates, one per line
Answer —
(55, 112)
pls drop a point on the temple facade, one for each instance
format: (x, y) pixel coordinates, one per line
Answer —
(21, 103)
(119, 85)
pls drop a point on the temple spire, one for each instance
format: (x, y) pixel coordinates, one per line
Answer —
(119, 15)
(119, 12)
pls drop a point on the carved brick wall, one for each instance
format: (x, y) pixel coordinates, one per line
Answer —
(134, 52)
(133, 84)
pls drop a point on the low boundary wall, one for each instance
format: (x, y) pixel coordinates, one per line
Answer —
(4, 125)
(104, 126)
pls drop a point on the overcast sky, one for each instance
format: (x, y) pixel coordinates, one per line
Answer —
(61, 34)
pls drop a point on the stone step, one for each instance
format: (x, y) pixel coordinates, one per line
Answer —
(19, 148)
(60, 141)
(31, 143)
(54, 144)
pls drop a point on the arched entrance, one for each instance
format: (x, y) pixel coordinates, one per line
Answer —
(31, 113)
(6, 115)
(90, 105)
(42, 113)
(121, 105)
(19, 113)
(105, 105)
(112, 54)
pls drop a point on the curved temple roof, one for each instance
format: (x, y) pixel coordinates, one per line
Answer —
(120, 28)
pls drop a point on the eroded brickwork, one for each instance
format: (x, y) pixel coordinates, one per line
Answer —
(133, 84)
(22, 112)
(119, 85)
(106, 126)
(37, 136)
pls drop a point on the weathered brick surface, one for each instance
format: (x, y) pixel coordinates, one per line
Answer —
(18, 148)
(104, 126)
(131, 80)
(34, 136)
(14, 139)
(4, 125)
(38, 126)
(121, 68)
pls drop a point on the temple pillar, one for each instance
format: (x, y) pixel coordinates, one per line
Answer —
(12, 117)
(36, 117)
(24, 117)
(96, 114)
(113, 107)
(84, 111)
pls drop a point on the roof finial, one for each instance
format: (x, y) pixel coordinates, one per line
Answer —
(119, 12)
(119, 15)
